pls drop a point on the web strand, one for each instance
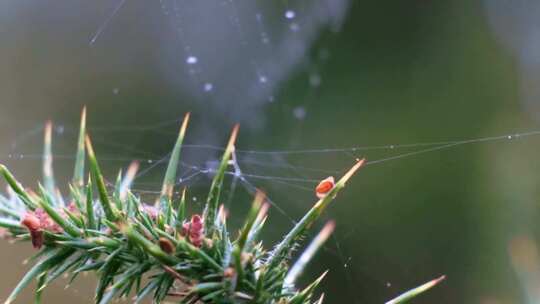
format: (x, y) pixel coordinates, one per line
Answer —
(249, 169)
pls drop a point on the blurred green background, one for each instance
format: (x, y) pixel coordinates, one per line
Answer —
(395, 72)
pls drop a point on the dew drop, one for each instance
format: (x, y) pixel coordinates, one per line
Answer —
(263, 79)
(115, 91)
(290, 14)
(60, 129)
(314, 80)
(208, 87)
(294, 27)
(149, 161)
(509, 137)
(299, 113)
(192, 60)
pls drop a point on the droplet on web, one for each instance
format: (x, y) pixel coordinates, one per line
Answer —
(314, 80)
(208, 87)
(294, 27)
(299, 113)
(290, 14)
(263, 79)
(192, 60)
(60, 129)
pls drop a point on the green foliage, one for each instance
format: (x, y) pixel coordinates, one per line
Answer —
(139, 249)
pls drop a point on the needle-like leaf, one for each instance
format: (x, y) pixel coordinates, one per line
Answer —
(110, 211)
(308, 254)
(48, 176)
(78, 172)
(405, 297)
(212, 202)
(170, 174)
(50, 260)
(282, 249)
(17, 188)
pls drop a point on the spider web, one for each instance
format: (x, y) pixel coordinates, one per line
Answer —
(276, 171)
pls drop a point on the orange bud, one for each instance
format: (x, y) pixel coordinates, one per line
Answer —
(196, 230)
(229, 272)
(166, 245)
(325, 186)
(31, 221)
(33, 224)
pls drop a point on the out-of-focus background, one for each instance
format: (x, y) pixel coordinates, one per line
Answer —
(303, 75)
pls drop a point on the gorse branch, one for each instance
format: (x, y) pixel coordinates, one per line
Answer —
(157, 249)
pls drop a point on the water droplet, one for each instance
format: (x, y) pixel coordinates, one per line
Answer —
(263, 79)
(150, 161)
(299, 113)
(59, 129)
(265, 39)
(290, 14)
(194, 198)
(388, 284)
(314, 80)
(192, 60)
(294, 27)
(208, 87)
(509, 137)
(115, 91)
(392, 146)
